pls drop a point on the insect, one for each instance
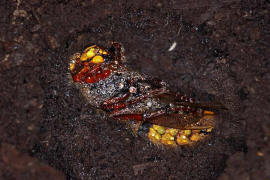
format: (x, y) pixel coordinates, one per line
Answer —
(145, 103)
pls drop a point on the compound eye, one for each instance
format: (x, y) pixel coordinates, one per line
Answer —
(97, 59)
(93, 54)
(89, 52)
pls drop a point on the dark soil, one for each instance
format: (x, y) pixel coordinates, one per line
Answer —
(222, 55)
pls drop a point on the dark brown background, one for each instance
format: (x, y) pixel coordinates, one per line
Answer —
(222, 55)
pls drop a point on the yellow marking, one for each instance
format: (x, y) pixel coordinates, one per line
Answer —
(168, 142)
(159, 129)
(173, 137)
(168, 137)
(91, 53)
(172, 131)
(153, 136)
(209, 130)
(195, 137)
(157, 136)
(91, 47)
(72, 66)
(171, 143)
(182, 140)
(97, 60)
(208, 113)
(187, 132)
(102, 51)
(83, 57)
(152, 132)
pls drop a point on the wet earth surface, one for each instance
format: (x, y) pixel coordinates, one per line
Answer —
(221, 55)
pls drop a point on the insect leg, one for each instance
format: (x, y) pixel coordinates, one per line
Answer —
(114, 100)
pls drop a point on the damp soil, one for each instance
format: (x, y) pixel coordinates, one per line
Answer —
(221, 55)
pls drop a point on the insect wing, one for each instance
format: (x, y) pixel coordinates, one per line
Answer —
(174, 120)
